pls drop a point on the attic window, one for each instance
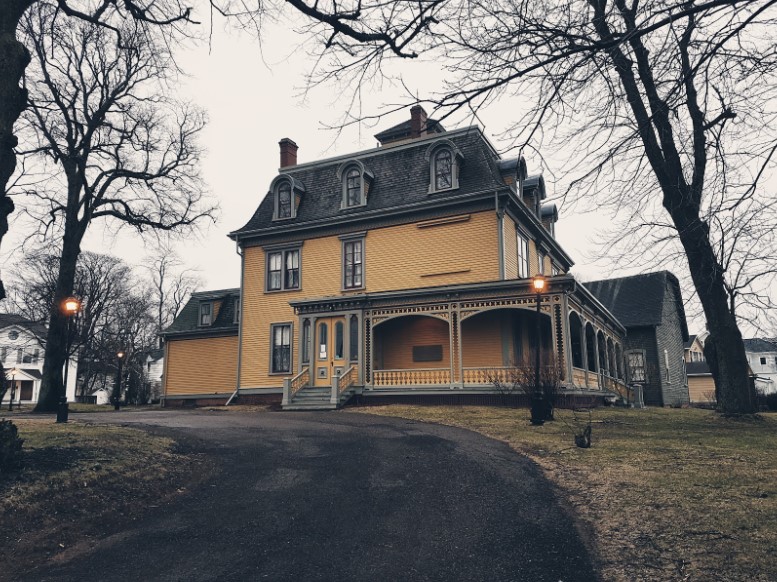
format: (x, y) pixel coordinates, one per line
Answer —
(444, 163)
(13, 335)
(353, 188)
(284, 200)
(206, 313)
(356, 180)
(443, 170)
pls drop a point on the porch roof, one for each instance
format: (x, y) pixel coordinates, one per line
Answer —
(461, 292)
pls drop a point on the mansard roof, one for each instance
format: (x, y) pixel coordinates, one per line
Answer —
(638, 301)
(401, 180)
(188, 320)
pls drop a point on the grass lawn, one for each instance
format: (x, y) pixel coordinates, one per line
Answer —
(78, 480)
(663, 494)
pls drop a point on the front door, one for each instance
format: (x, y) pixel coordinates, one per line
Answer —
(329, 349)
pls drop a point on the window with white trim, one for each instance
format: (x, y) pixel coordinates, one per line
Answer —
(283, 270)
(281, 348)
(206, 313)
(353, 188)
(635, 360)
(523, 255)
(353, 264)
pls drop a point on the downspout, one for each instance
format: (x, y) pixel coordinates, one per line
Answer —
(236, 393)
(500, 213)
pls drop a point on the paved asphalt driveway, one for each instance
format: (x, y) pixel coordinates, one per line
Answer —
(341, 497)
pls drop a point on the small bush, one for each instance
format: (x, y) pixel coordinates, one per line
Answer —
(771, 401)
(10, 447)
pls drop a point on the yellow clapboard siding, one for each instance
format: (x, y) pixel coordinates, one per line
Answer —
(510, 249)
(405, 256)
(201, 366)
(481, 340)
(395, 340)
(701, 389)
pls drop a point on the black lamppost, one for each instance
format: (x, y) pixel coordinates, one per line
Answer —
(537, 399)
(70, 306)
(117, 385)
(13, 388)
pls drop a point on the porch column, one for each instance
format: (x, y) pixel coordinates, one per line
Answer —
(451, 347)
(457, 327)
(584, 349)
(596, 357)
(567, 337)
(369, 339)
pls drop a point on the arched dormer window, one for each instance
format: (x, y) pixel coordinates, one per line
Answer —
(287, 193)
(443, 169)
(356, 180)
(353, 188)
(444, 161)
(284, 200)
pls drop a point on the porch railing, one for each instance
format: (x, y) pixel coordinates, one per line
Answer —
(417, 377)
(487, 375)
(342, 383)
(293, 385)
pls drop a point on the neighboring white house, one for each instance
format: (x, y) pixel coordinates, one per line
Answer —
(21, 354)
(155, 366)
(762, 357)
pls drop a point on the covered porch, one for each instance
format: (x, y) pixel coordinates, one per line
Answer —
(464, 337)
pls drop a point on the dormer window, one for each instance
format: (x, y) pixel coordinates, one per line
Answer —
(356, 181)
(284, 200)
(444, 162)
(353, 188)
(206, 313)
(443, 170)
(287, 193)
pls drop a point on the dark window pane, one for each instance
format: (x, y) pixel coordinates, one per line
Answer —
(273, 271)
(306, 341)
(292, 270)
(443, 170)
(352, 267)
(353, 331)
(323, 332)
(353, 188)
(284, 200)
(339, 340)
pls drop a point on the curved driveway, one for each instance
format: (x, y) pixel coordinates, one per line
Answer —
(341, 497)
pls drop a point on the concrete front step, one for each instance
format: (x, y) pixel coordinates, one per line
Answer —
(312, 398)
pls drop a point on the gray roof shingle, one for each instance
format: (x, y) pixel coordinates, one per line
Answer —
(757, 345)
(188, 320)
(638, 301)
(8, 319)
(401, 178)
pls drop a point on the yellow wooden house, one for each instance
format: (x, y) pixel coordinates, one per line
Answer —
(403, 270)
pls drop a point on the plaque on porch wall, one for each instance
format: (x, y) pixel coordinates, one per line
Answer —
(427, 353)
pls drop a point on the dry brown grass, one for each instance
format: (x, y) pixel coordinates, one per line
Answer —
(668, 494)
(78, 479)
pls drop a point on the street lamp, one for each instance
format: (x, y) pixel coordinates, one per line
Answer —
(13, 388)
(117, 385)
(537, 400)
(70, 307)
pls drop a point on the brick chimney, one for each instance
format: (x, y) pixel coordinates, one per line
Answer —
(417, 121)
(288, 152)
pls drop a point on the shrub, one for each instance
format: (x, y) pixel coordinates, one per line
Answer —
(10, 447)
(771, 401)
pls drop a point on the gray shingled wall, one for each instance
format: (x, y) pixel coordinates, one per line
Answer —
(669, 337)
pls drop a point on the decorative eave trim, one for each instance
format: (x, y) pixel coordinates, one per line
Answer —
(371, 215)
(200, 333)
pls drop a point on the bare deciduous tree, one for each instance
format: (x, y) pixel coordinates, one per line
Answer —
(664, 107)
(171, 286)
(114, 147)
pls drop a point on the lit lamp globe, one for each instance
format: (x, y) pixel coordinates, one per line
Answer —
(539, 283)
(71, 306)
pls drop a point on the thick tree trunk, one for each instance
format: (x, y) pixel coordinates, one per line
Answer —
(56, 340)
(14, 58)
(726, 354)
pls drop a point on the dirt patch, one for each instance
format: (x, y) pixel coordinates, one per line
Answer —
(80, 482)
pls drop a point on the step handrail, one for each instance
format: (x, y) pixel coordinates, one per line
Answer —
(294, 384)
(341, 383)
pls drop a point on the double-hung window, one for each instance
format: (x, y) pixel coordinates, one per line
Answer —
(281, 348)
(284, 200)
(353, 263)
(353, 188)
(443, 170)
(283, 270)
(523, 256)
(206, 313)
(635, 360)
(540, 262)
